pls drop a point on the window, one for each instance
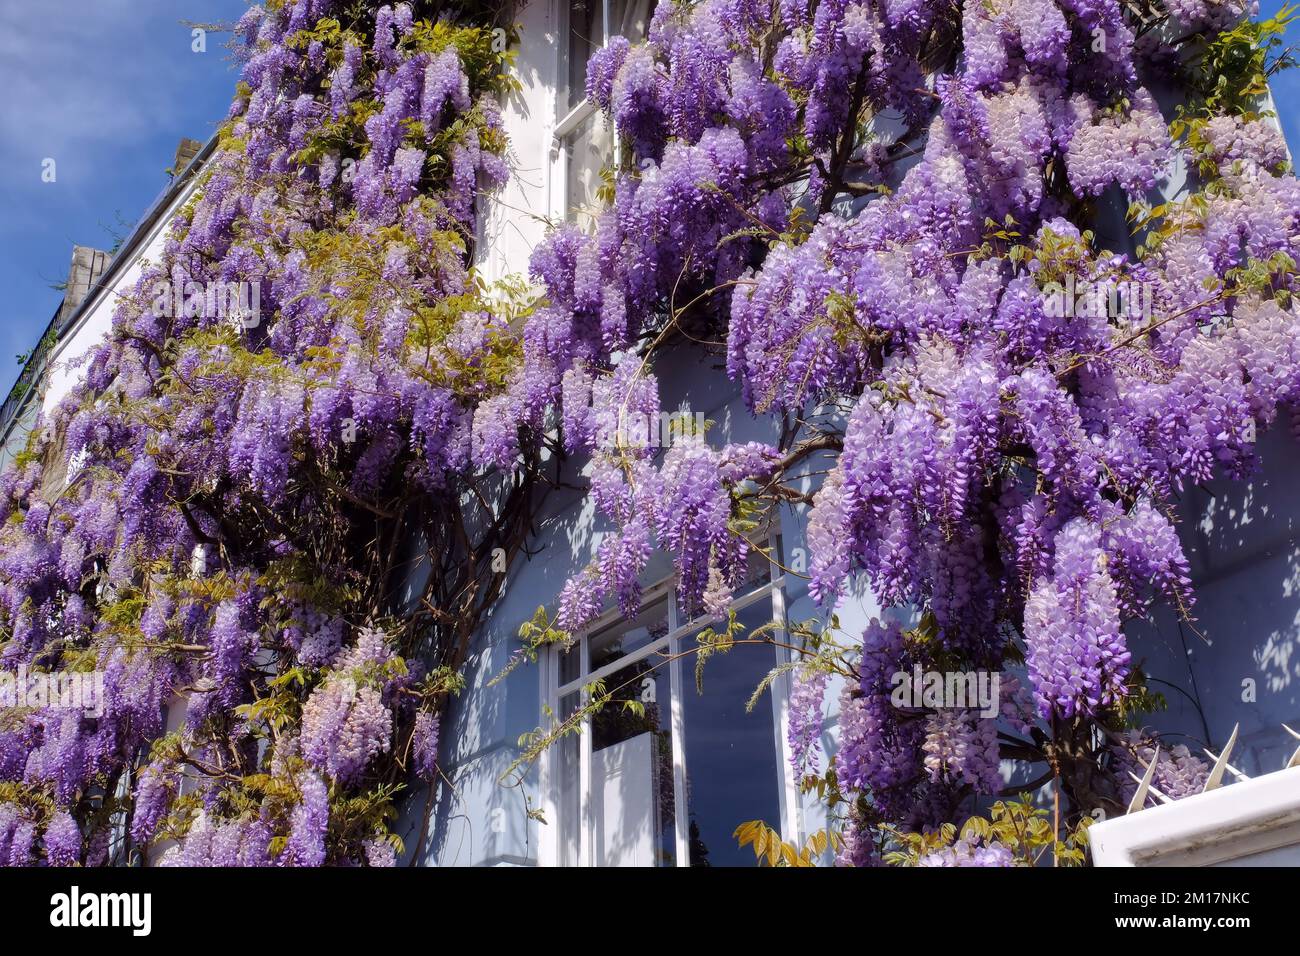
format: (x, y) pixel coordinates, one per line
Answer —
(667, 782)
(585, 140)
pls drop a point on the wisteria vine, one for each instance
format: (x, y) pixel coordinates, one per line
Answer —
(273, 534)
(890, 212)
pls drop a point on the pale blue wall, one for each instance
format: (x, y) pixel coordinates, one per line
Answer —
(1243, 542)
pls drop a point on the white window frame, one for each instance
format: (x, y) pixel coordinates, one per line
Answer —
(573, 120)
(790, 822)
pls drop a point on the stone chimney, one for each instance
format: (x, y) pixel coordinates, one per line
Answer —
(185, 152)
(87, 266)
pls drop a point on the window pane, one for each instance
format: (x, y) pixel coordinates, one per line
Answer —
(631, 802)
(731, 756)
(630, 18)
(567, 773)
(632, 770)
(571, 664)
(590, 149)
(623, 638)
(586, 36)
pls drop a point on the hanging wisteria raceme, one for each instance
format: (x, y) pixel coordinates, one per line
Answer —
(217, 521)
(890, 215)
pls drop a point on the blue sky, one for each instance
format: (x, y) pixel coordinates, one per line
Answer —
(1286, 85)
(107, 88)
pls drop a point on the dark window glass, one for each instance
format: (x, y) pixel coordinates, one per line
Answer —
(586, 35)
(731, 756)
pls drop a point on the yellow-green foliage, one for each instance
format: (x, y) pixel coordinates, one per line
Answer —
(1018, 825)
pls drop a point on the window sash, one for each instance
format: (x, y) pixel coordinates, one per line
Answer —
(790, 822)
(577, 115)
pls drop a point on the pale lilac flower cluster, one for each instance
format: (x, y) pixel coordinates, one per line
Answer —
(1132, 150)
(859, 846)
(1258, 141)
(1078, 659)
(308, 823)
(969, 853)
(962, 747)
(806, 719)
(343, 727)
(1179, 772)
(221, 843)
(1214, 14)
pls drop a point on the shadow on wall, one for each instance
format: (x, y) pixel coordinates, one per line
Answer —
(1238, 661)
(472, 819)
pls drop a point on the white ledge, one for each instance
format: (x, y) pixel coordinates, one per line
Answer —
(576, 117)
(1223, 826)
